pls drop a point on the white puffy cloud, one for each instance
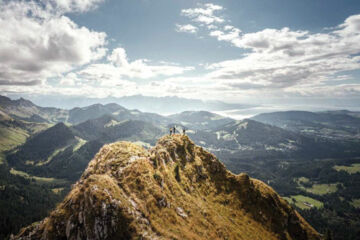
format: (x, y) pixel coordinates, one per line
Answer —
(72, 5)
(283, 61)
(119, 67)
(283, 58)
(228, 27)
(204, 14)
(36, 43)
(119, 57)
(351, 26)
(211, 27)
(231, 36)
(208, 9)
(186, 28)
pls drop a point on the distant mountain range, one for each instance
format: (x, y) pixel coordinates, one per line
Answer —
(275, 135)
(22, 109)
(161, 105)
(200, 120)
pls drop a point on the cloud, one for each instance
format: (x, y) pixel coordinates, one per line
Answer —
(70, 79)
(119, 57)
(204, 14)
(20, 83)
(119, 67)
(321, 90)
(284, 58)
(211, 27)
(283, 61)
(186, 28)
(37, 43)
(231, 36)
(49, 45)
(350, 26)
(228, 27)
(72, 5)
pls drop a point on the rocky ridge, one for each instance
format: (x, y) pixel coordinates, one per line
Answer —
(175, 190)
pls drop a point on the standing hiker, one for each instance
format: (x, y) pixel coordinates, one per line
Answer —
(170, 131)
(184, 130)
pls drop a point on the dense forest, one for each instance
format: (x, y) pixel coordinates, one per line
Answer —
(24, 201)
(324, 191)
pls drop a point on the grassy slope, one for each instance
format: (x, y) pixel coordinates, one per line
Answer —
(174, 191)
(11, 137)
(14, 133)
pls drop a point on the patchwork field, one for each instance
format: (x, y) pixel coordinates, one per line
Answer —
(304, 202)
(302, 180)
(355, 203)
(318, 189)
(321, 189)
(352, 169)
(39, 180)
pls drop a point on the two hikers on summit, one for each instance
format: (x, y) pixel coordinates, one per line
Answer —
(173, 130)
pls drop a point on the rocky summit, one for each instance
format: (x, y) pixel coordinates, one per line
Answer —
(175, 190)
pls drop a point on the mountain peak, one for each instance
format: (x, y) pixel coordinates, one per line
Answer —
(176, 190)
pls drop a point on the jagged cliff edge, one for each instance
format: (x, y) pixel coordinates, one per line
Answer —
(176, 190)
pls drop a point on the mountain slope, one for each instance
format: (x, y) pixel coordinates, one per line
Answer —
(40, 147)
(200, 119)
(108, 129)
(248, 135)
(176, 190)
(26, 110)
(23, 109)
(64, 152)
(251, 139)
(175, 104)
(78, 115)
(330, 124)
(15, 132)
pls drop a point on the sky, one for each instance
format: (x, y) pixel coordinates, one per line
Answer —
(244, 51)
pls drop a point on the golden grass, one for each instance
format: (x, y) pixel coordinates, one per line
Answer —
(11, 138)
(176, 190)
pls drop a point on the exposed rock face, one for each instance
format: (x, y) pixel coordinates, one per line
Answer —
(175, 190)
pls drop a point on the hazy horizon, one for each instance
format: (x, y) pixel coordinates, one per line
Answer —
(235, 113)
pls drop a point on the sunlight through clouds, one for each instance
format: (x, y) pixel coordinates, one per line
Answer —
(287, 59)
(45, 44)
